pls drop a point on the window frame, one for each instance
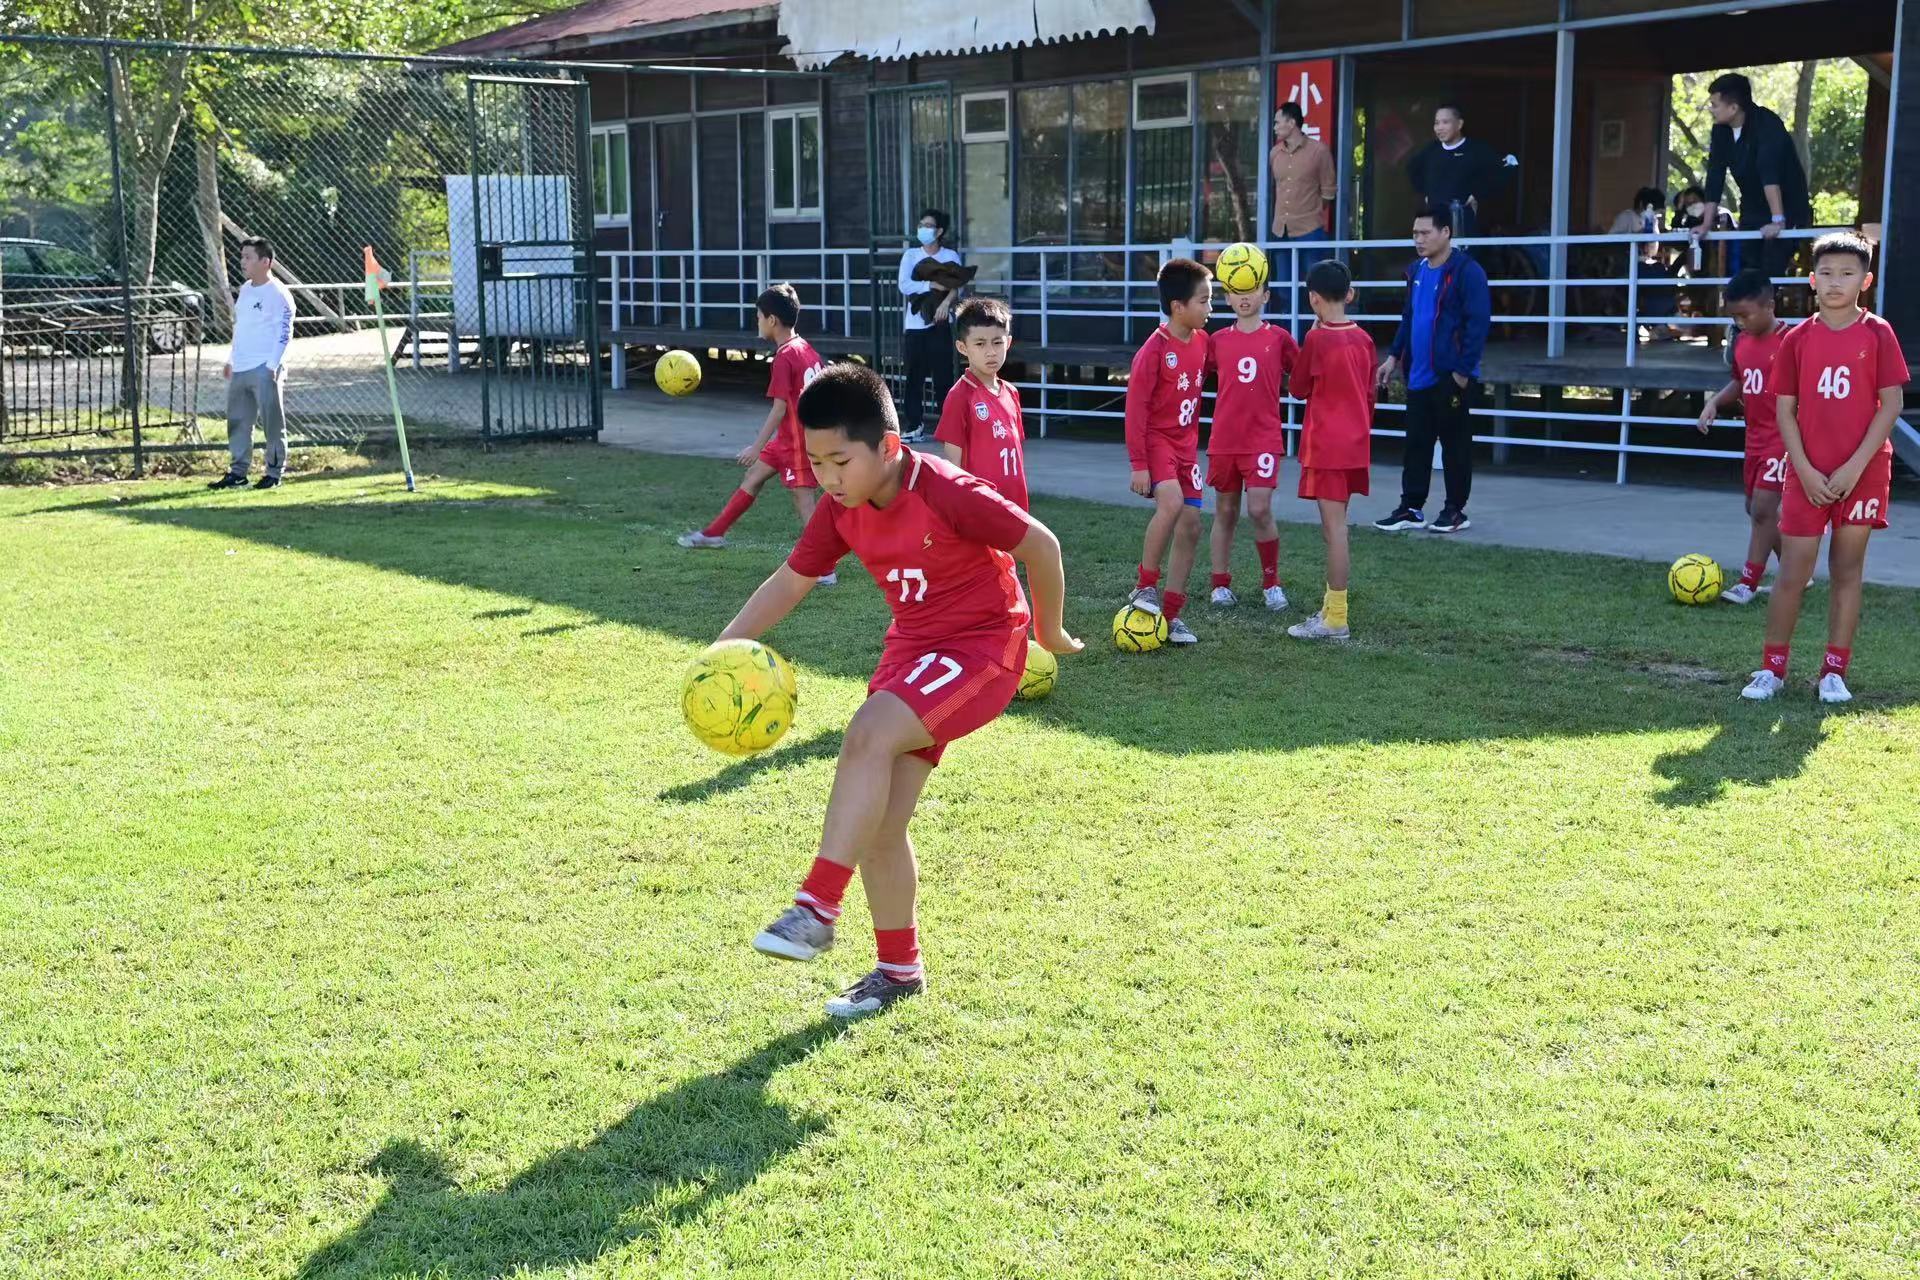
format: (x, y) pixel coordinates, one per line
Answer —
(1003, 134)
(1144, 82)
(795, 211)
(606, 132)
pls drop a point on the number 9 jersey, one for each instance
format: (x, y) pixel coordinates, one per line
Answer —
(1247, 443)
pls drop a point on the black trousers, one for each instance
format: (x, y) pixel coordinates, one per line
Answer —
(1440, 412)
(929, 354)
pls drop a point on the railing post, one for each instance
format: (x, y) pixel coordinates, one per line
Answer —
(1561, 197)
(1632, 358)
(1043, 297)
(131, 392)
(618, 371)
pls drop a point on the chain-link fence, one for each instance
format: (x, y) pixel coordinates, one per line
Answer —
(130, 173)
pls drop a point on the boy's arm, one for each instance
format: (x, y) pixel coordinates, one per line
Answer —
(1715, 402)
(1141, 381)
(1039, 551)
(1811, 479)
(953, 452)
(1847, 474)
(775, 416)
(775, 599)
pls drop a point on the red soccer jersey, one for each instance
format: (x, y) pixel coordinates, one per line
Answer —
(1163, 391)
(1334, 375)
(987, 428)
(1249, 370)
(939, 553)
(1751, 360)
(1835, 377)
(795, 364)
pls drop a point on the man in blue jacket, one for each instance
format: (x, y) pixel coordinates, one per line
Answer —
(1443, 331)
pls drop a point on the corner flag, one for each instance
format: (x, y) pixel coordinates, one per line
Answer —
(377, 280)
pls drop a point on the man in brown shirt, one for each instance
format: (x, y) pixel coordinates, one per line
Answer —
(1303, 189)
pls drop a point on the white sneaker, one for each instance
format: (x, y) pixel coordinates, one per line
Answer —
(1834, 689)
(914, 436)
(1275, 597)
(797, 934)
(831, 580)
(1763, 686)
(1316, 628)
(695, 538)
(1223, 598)
(1739, 593)
(1146, 599)
(1178, 632)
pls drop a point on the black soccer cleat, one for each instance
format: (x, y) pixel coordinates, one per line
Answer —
(267, 482)
(229, 481)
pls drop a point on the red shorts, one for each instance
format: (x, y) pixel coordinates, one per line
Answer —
(796, 472)
(1231, 472)
(1172, 457)
(1865, 505)
(1764, 471)
(954, 689)
(1334, 484)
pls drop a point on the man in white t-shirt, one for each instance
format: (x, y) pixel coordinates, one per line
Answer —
(262, 328)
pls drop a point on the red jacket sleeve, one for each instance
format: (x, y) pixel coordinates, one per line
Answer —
(953, 419)
(1142, 382)
(975, 510)
(820, 547)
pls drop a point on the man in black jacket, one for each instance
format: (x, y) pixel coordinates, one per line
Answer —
(1455, 172)
(1752, 144)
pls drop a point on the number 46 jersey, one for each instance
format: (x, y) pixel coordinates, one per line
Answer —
(940, 554)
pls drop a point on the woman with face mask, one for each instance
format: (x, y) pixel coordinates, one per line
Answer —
(928, 341)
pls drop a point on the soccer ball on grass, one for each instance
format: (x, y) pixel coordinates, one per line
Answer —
(1137, 631)
(1042, 673)
(1694, 579)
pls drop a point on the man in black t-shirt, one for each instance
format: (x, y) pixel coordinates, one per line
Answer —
(1457, 172)
(1753, 145)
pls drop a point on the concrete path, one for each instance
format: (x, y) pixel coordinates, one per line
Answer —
(1639, 521)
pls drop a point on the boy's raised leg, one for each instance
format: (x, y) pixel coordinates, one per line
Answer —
(891, 877)
(715, 534)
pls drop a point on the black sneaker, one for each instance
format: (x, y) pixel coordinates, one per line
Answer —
(229, 481)
(1402, 518)
(1451, 522)
(872, 994)
(267, 482)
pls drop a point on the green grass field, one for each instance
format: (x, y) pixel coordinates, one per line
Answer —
(367, 912)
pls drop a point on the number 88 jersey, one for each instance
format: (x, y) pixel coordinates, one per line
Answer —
(939, 552)
(1249, 371)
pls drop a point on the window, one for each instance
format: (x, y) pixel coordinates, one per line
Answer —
(1230, 154)
(611, 190)
(1163, 102)
(983, 117)
(1041, 214)
(1098, 202)
(793, 162)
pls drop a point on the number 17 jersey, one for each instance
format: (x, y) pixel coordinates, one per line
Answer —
(940, 554)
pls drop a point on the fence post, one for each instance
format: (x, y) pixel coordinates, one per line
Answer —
(130, 391)
(1633, 355)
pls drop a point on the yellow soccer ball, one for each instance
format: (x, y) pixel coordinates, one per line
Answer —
(677, 373)
(1042, 673)
(739, 697)
(1137, 631)
(1694, 579)
(1241, 268)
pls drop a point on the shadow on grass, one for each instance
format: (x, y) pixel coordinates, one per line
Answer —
(824, 745)
(669, 1161)
(1420, 673)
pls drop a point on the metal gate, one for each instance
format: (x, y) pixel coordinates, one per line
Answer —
(523, 256)
(913, 163)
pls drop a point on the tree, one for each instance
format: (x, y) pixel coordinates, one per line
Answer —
(1823, 104)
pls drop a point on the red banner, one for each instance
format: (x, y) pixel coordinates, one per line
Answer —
(1312, 85)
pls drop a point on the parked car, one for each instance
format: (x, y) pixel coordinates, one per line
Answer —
(73, 301)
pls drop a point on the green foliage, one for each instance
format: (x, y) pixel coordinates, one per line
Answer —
(1835, 134)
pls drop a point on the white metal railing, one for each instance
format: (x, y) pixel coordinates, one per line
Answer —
(1094, 303)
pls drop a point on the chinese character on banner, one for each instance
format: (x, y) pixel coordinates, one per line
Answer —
(1311, 84)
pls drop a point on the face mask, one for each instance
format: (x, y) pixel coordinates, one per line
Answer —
(927, 235)
(1696, 209)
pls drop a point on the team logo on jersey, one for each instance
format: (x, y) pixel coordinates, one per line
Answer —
(1173, 359)
(980, 410)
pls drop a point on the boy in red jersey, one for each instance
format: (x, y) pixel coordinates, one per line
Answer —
(1757, 335)
(778, 449)
(1163, 438)
(1335, 376)
(1251, 361)
(980, 424)
(1840, 378)
(941, 546)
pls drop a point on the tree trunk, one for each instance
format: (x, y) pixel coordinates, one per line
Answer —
(1803, 117)
(219, 289)
(148, 130)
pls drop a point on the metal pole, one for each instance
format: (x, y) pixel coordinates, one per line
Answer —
(1562, 187)
(586, 274)
(1346, 119)
(131, 393)
(1263, 200)
(479, 277)
(1633, 353)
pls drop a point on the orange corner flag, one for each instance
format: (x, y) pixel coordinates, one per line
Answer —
(377, 278)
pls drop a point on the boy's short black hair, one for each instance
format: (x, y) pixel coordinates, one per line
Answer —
(782, 302)
(981, 313)
(850, 398)
(1751, 285)
(1291, 110)
(1733, 87)
(1330, 280)
(259, 246)
(1843, 242)
(1439, 214)
(1179, 280)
